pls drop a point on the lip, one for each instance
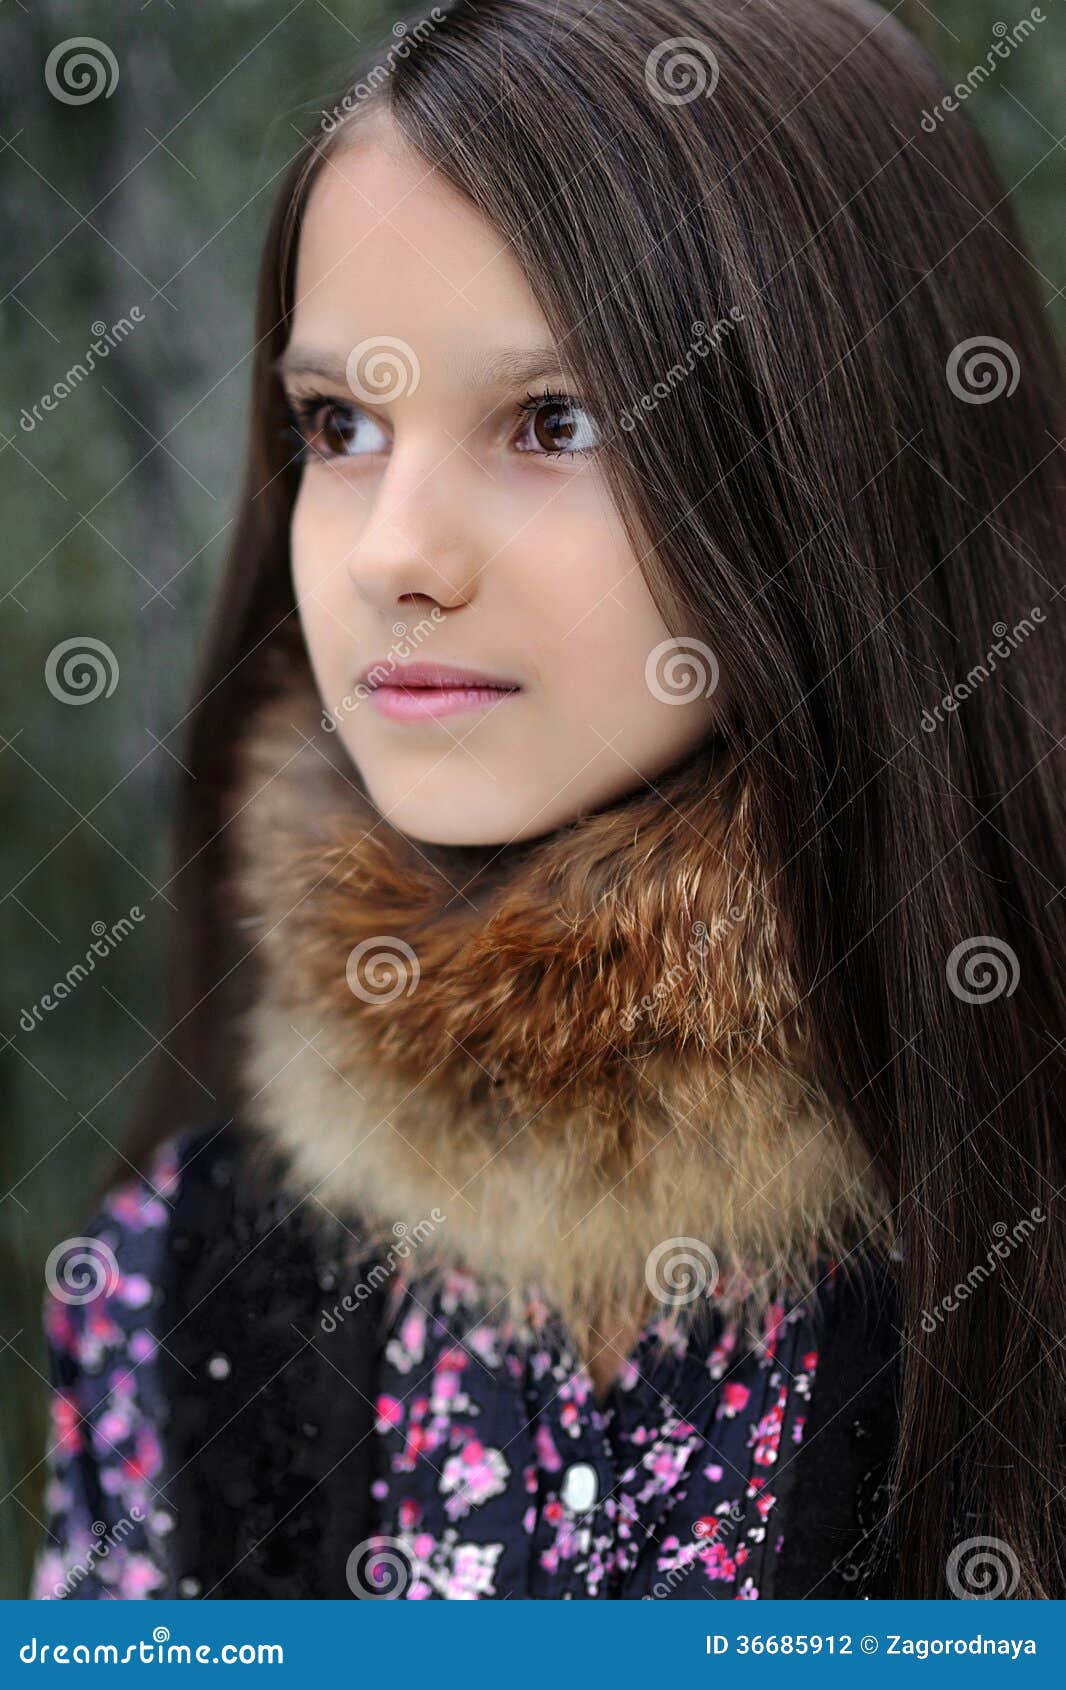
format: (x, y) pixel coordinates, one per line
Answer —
(417, 691)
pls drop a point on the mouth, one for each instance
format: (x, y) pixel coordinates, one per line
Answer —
(420, 691)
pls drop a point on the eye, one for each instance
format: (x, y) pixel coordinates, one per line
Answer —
(556, 426)
(326, 429)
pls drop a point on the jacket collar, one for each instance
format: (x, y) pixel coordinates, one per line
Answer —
(582, 1068)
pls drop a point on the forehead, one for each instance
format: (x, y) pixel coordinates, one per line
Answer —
(389, 246)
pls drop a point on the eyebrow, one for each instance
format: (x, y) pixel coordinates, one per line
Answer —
(504, 368)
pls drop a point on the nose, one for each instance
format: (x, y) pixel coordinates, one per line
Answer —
(417, 542)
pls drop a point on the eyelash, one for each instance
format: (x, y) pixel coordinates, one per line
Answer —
(299, 414)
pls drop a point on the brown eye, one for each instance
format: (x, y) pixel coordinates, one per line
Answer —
(327, 429)
(557, 427)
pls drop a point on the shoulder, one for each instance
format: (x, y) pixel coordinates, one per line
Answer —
(102, 1281)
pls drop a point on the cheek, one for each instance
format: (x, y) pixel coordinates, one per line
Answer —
(590, 613)
(318, 583)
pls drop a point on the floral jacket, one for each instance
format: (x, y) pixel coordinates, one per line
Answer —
(224, 1425)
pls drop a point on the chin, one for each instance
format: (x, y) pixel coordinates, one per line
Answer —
(455, 817)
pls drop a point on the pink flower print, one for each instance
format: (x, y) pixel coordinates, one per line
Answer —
(716, 1563)
(471, 1477)
(59, 1326)
(50, 1572)
(65, 1424)
(667, 1465)
(129, 1205)
(134, 1290)
(389, 1412)
(473, 1570)
(747, 1592)
(142, 1345)
(113, 1426)
(767, 1437)
(408, 1348)
(139, 1577)
(735, 1399)
(547, 1454)
(409, 1513)
(147, 1458)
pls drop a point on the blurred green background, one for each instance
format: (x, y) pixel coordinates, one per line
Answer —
(116, 514)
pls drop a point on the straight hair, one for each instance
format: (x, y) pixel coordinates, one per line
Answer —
(851, 499)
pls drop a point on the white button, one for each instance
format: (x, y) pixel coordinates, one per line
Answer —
(580, 1487)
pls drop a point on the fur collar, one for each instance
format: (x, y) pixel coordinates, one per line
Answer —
(579, 1070)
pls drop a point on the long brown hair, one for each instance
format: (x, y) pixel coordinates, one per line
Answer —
(851, 501)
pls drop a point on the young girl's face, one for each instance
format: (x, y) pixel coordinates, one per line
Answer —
(439, 522)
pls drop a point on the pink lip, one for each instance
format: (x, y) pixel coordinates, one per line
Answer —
(416, 691)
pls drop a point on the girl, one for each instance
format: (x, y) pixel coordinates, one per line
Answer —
(620, 861)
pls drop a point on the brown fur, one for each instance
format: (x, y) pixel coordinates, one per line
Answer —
(578, 1075)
